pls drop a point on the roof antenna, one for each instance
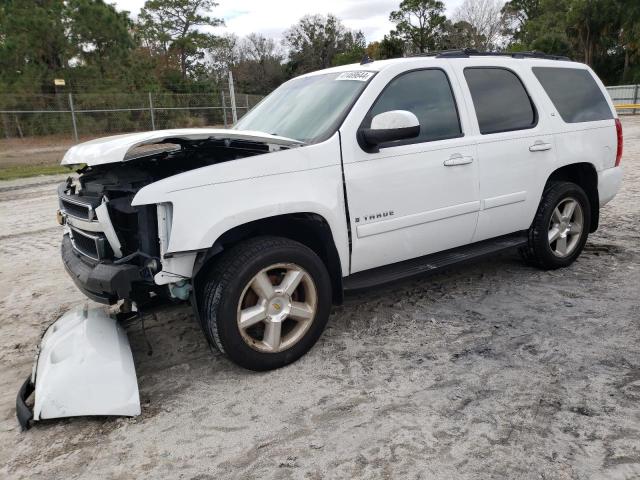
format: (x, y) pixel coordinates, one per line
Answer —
(366, 59)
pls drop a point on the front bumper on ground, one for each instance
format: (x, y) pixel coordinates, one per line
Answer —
(102, 282)
(84, 367)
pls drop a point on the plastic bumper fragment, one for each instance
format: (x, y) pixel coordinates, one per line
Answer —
(84, 368)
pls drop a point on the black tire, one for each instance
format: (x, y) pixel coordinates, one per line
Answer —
(225, 283)
(538, 251)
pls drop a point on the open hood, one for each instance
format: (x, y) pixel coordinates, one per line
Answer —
(115, 148)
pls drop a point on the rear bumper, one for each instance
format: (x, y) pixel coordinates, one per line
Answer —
(101, 282)
(609, 182)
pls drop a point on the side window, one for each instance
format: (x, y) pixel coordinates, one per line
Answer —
(502, 104)
(574, 93)
(428, 95)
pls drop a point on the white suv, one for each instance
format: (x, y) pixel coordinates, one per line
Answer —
(342, 179)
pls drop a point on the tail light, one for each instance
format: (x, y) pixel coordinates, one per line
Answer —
(619, 135)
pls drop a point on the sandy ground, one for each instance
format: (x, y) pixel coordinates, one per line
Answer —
(46, 150)
(494, 370)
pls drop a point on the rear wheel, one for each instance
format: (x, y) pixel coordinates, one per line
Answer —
(266, 302)
(560, 228)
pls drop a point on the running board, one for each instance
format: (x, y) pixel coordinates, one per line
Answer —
(434, 262)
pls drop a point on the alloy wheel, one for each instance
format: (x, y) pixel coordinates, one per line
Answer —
(277, 307)
(565, 227)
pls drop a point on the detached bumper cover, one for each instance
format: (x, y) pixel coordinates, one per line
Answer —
(102, 282)
(84, 367)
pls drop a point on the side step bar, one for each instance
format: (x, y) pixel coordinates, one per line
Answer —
(434, 262)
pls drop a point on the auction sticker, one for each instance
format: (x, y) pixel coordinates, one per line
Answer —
(358, 75)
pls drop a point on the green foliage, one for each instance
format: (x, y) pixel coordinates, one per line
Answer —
(96, 48)
(316, 42)
(419, 24)
(22, 171)
(170, 29)
(604, 34)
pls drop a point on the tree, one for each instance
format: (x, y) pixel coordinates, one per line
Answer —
(486, 22)
(100, 35)
(171, 26)
(258, 68)
(458, 35)
(419, 24)
(316, 40)
(391, 46)
(602, 33)
(34, 47)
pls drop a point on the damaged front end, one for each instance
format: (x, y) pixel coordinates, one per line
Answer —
(116, 251)
(84, 367)
(113, 250)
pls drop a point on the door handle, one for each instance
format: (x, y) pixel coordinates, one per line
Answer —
(457, 159)
(539, 146)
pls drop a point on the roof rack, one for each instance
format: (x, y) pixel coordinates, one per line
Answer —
(468, 52)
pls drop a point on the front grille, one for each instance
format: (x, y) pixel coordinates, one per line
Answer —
(76, 205)
(77, 210)
(94, 246)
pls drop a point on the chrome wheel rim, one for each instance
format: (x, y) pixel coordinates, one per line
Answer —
(277, 307)
(565, 227)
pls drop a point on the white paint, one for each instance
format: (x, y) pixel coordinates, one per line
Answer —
(85, 367)
(211, 200)
(443, 193)
(609, 182)
(114, 149)
(394, 119)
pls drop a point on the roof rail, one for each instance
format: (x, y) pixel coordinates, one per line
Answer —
(468, 52)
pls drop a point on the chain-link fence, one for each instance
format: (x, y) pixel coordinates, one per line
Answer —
(88, 115)
(625, 98)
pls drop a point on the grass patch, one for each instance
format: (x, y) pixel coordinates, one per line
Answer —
(22, 171)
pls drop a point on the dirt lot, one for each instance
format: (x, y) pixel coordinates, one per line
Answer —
(494, 370)
(34, 150)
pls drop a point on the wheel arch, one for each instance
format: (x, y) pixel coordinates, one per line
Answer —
(585, 175)
(307, 228)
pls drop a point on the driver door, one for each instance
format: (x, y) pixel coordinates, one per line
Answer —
(416, 196)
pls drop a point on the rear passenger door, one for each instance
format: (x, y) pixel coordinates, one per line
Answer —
(515, 147)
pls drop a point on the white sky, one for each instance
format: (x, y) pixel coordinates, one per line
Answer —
(272, 17)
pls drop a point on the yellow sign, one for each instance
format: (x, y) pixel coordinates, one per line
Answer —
(59, 82)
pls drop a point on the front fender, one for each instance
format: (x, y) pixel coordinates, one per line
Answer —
(212, 200)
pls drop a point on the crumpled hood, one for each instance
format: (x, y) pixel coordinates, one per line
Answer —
(114, 149)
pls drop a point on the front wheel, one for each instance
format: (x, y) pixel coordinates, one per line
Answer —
(560, 228)
(266, 302)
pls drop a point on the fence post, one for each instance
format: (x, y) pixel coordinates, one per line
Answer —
(224, 109)
(5, 124)
(153, 118)
(232, 93)
(73, 118)
(246, 101)
(635, 97)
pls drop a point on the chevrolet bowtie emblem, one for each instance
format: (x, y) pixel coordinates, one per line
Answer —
(276, 306)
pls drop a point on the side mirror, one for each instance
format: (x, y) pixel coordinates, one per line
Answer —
(388, 127)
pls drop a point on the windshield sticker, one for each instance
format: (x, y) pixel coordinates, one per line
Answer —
(360, 76)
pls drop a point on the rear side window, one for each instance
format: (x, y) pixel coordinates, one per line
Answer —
(574, 93)
(428, 95)
(501, 102)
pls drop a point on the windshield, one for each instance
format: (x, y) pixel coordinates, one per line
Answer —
(307, 109)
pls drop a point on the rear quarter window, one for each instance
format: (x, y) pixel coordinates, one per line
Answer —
(574, 93)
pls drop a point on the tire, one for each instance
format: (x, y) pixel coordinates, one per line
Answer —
(248, 283)
(545, 253)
